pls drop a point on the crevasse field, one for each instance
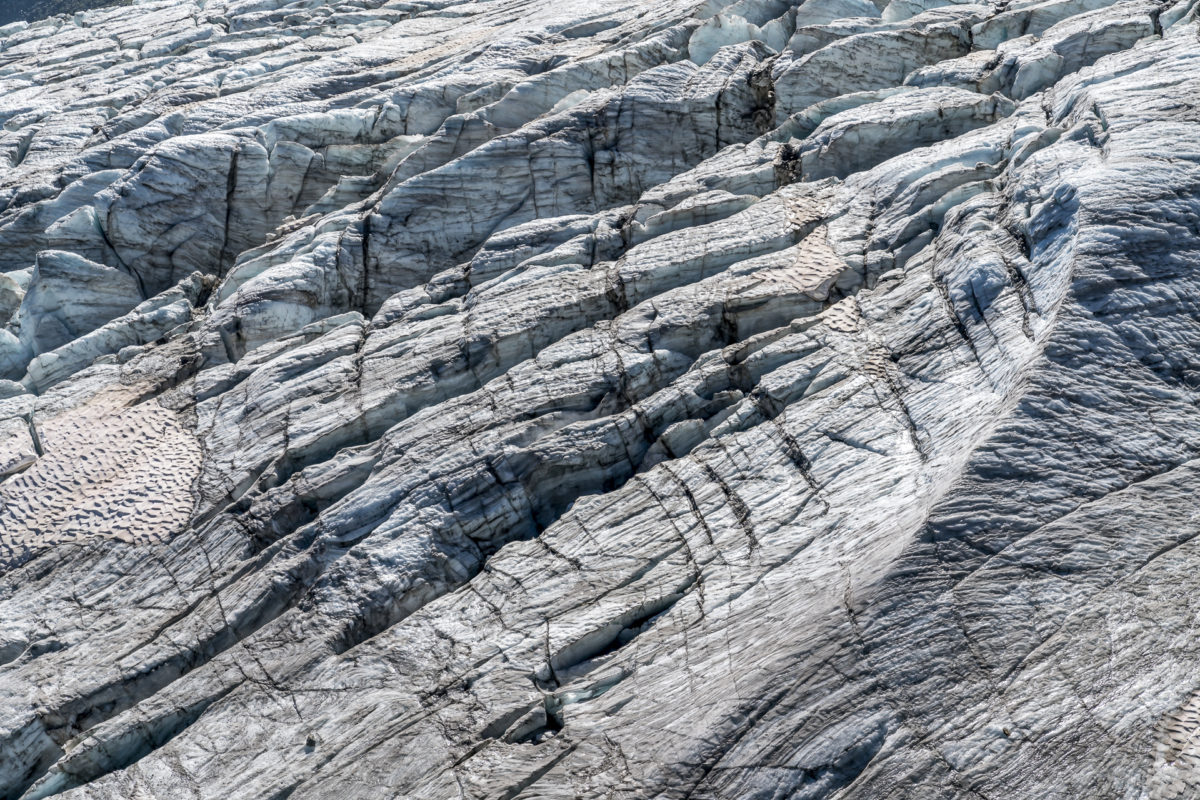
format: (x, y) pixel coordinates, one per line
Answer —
(572, 399)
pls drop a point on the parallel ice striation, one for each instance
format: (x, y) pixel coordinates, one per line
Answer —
(750, 399)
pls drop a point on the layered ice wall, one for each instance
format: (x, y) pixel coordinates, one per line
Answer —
(556, 399)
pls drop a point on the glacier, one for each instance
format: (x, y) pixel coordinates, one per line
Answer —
(530, 399)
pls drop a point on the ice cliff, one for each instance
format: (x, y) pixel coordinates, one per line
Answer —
(582, 398)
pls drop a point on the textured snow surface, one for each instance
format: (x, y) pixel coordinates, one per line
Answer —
(580, 398)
